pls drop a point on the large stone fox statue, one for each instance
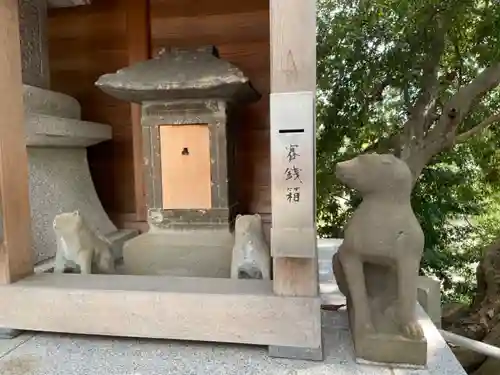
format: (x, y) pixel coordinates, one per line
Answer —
(377, 264)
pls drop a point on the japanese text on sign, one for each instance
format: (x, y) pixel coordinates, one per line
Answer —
(292, 173)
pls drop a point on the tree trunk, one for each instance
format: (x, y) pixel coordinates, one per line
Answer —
(481, 320)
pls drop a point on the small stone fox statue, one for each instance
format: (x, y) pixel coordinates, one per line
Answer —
(251, 257)
(78, 245)
(377, 264)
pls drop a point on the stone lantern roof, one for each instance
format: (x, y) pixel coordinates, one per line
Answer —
(179, 74)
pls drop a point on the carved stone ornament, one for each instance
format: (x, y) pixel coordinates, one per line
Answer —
(377, 264)
(179, 74)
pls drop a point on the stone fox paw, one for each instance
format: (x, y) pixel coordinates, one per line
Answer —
(412, 330)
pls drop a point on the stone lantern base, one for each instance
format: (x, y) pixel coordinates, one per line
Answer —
(60, 179)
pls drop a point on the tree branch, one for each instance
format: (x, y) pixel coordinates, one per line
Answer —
(458, 107)
(461, 102)
(390, 144)
(415, 128)
(478, 128)
(429, 88)
(429, 83)
(431, 116)
(376, 94)
(460, 63)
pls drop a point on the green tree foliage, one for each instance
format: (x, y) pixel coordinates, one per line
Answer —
(416, 78)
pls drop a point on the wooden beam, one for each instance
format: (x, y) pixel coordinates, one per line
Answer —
(293, 153)
(181, 308)
(293, 90)
(139, 49)
(295, 277)
(293, 45)
(16, 256)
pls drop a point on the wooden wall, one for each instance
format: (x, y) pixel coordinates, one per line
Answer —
(84, 43)
(88, 41)
(240, 30)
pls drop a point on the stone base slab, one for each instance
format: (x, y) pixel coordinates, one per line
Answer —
(8, 334)
(292, 352)
(83, 355)
(162, 307)
(391, 349)
(386, 344)
(189, 253)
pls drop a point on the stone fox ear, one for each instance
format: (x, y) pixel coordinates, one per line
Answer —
(238, 216)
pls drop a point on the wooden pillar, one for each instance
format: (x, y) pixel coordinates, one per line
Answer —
(293, 153)
(293, 132)
(138, 40)
(16, 257)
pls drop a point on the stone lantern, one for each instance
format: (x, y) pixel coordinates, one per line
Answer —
(189, 117)
(57, 139)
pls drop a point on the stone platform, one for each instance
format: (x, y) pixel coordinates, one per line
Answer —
(56, 354)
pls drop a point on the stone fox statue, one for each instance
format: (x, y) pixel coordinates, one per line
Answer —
(78, 245)
(251, 257)
(377, 264)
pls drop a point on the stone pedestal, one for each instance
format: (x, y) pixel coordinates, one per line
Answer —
(185, 253)
(60, 179)
(188, 99)
(56, 139)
